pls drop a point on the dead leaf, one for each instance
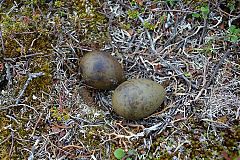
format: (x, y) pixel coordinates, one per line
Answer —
(55, 129)
(178, 116)
(130, 31)
(223, 119)
(222, 26)
(140, 2)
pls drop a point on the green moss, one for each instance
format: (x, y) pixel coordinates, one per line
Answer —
(133, 14)
(20, 133)
(39, 84)
(31, 44)
(91, 23)
(59, 116)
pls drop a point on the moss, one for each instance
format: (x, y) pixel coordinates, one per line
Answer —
(211, 147)
(24, 30)
(39, 84)
(58, 115)
(4, 133)
(31, 44)
(20, 133)
(91, 24)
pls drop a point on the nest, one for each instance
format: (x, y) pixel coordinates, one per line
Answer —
(47, 112)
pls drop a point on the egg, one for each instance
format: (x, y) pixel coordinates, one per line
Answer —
(101, 70)
(137, 98)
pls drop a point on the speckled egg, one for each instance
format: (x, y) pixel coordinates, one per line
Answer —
(137, 98)
(101, 70)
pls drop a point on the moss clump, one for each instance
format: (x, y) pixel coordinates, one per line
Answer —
(42, 83)
(25, 44)
(91, 24)
(211, 147)
(4, 134)
(14, 133)
(25, 29)
(59, 115)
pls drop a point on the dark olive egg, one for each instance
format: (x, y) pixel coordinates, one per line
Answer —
(137, 98)
(101, 70)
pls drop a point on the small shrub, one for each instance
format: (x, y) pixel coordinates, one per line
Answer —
(133, 14)
(233, 34)
(149, 26)
(203, 14)
(119, 153)
(171, 2)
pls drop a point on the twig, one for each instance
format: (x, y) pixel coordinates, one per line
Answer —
(161, 126)
(5, 140)
(180, 145)
(205, 26)
(31, 156)
(175, 33)
(148, 35)
(169, 10)
(217, 68)
(3, 47)
(212, 121)
(206, 85)
(1, 3)
(180, 74)
(12, 9)
(30, 78)
(12, 144)
(22, 47)
(18, 105)
(34, 129)
(72, 146)
(227, 14)
(204, 81)
(26, 56)
(9, 76)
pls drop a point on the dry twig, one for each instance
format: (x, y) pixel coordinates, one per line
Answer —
(31, 76)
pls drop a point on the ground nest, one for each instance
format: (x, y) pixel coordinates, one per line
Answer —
(191, 47)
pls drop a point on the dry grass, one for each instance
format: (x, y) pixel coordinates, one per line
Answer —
(46, 112)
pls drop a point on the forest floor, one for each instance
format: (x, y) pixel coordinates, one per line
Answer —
(189, 46)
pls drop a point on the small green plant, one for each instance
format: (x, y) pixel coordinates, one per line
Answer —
(132, 2)
(126, 26)
(231, 6)
(58, 3)
(187, 74)
(148, 25)
(171, 2)
(162, 18)
(203, 14)
(59, 116)
(196, 15)
(133, 14)
(205, 11)
(119, 153)
(233, 34)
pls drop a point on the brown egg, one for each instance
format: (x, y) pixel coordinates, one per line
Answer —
(101, 70)
(137, 98)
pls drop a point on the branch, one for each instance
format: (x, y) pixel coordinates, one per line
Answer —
(31, 76)
(180, 74)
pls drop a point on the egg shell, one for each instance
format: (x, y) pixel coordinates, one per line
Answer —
(101, 70)
(137, 98)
